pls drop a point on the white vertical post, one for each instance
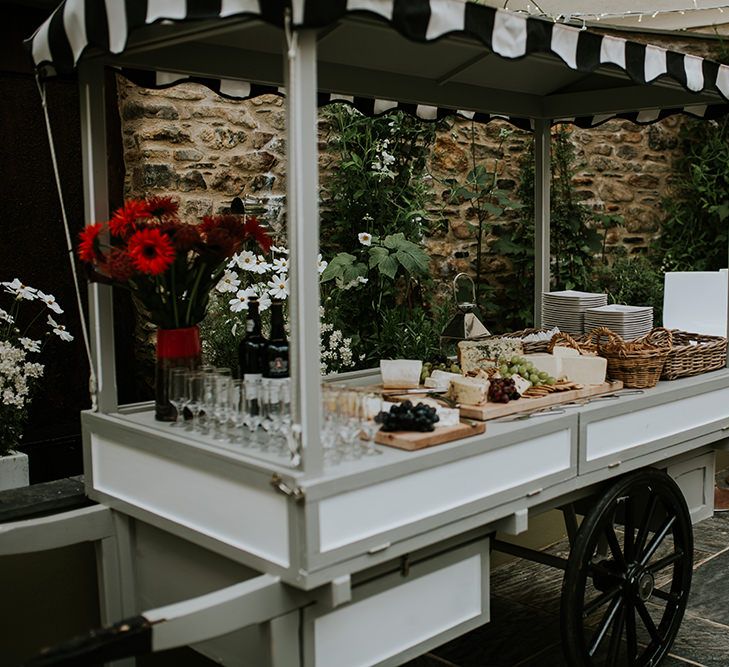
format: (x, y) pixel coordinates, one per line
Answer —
(542, 183)
(96, 209)
(303, 237)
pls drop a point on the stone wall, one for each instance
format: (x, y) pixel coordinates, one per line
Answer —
(206, 150)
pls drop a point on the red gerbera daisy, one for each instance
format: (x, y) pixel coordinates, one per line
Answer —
(253, 228)
(151, 251)
(123, 221)
(162, 207)
(89, 248)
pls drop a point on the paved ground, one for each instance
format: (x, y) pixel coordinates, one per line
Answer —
(524, 631)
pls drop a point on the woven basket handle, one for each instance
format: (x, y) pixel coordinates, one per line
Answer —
(563, 339)
(658, 337)
(612, 339)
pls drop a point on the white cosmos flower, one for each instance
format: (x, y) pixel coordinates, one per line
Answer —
(322, 264)
(264, 303)
(262, 266)
(365, 238)
(5, 316)
(362, 280)
(281, 250)
(50, 301)
(228, 283)
(29, 344)
(20, 291)
(278, 288)
(246, 261)
(281, 265)
(60, 330)
(241, 299)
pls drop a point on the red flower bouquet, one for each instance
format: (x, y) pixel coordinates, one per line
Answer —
(169, 265)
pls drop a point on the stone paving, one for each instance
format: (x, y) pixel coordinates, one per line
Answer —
(525, 597)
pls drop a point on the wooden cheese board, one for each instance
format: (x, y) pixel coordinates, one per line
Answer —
(487, 411)
(411, 440)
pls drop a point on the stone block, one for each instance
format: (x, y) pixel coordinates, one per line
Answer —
(188, 155)
(222, 137)
(192, 180)
(14, 471)
(154, 176)
(646, 181)
(255, 162)
(134, 110)
(615, 191)
(167, 133)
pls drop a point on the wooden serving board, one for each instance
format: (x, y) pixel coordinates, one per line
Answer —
(487, 411)
(412, 440)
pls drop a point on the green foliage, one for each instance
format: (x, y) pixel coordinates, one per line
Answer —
(694, 231)
(488, 201)
(632, 280)
(221, 333)
(576, 243)
(373, 222)
(412, 334)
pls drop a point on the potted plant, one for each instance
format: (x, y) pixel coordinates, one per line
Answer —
(22, 340)
(169, 266)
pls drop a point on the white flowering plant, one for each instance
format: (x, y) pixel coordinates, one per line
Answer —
(266, 278)
(21, 343)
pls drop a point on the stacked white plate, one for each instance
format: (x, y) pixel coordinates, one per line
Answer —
(630, 322)
(566, 309)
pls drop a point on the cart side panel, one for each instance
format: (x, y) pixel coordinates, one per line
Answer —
(395, 617)
(623, 436)
(388, 506)
(199, 499)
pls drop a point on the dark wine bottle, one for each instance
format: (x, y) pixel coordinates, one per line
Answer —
(253, 346)
(276, 365)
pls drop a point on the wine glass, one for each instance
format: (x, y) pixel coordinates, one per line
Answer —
(237, 411)
(179, 395)
(221, 405)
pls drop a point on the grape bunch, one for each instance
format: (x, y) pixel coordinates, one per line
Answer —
(503, 390)
(404, 417)
(521, 366)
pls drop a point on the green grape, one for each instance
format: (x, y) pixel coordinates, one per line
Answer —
(515, 361)
(534, 378)
(550, 381)
(522, 371)
(513, 370)
(543, 375)
(504, 370)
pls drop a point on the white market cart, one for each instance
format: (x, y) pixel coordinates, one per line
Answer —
(374, 561)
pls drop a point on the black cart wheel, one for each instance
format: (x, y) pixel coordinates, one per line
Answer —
(628, 576)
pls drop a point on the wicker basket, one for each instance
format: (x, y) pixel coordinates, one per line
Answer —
(693, 354)
(638, 364)
(530, 347)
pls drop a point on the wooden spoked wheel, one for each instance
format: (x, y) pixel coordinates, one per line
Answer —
(628, 576)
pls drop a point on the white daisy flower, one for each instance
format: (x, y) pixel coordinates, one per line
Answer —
(281, 250)
(246, 260)
(228, 283)
(50, 301)
(59, 330)
(281, 265)
(322, 264)
(30, 344)
(361, 280)
(5, 316)
(19, 290)
(278, 288)
(365, 238)
(241, 299)
(264, 303)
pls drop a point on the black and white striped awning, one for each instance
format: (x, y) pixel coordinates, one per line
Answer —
(108, 25)
(241, 90)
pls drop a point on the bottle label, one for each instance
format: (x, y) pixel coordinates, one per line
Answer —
(250, 325)
(252, 377)
(278, 367)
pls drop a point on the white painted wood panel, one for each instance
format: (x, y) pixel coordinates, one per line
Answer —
(242, 516)
(383, 625)
(616, 434)
(358, 514)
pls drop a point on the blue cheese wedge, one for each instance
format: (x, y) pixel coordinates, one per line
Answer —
(476, 354)
(521, 383)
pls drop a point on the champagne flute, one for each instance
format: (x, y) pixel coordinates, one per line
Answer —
(196, 392)
(178, 392)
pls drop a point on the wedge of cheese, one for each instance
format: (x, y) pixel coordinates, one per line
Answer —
(563, 351)
(469, 391)
(475, 354)
(400, 373)
(549, 363)
(440, 379)
(584, 369)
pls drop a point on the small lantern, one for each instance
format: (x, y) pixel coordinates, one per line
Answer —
(466, 323)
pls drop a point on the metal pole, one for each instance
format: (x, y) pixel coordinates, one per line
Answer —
(542, 183)
(303, 236)
(96, 209)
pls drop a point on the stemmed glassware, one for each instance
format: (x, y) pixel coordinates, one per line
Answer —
(196, 392)
(179, 394)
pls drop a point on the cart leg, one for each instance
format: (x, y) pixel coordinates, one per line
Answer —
(625, 607)
(570, 522)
